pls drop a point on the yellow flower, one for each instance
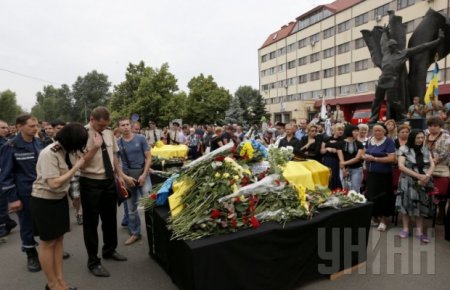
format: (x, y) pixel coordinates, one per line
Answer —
(226, 175)
(247, 149)
(217, 175)
(236, 177)
(159, 144)
(242, 198)
(234, 188)
(301, 190)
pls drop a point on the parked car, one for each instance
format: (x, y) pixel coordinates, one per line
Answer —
(362, 116)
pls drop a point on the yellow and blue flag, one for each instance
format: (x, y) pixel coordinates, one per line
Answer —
(433, 86)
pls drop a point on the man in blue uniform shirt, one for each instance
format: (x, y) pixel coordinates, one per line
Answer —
(18, 172)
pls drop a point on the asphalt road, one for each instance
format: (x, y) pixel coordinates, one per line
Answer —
(141, 272)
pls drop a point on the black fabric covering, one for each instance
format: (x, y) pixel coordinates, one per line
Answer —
(270, 257)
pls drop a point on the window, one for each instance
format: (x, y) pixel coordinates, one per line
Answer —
(343, 69)
(344, 90)
(271, 70)
(362, 87)
(272, 85)
(344, 26)
(361, 19)
(382, 10)
(361, 65)
(314, 76)
(291, 64)
(329, 92)
(291, 47)
(281, 51)
(302, 61)
(302, 79)
(409, 26)
(264, 58)
(314, 38)
(281, 67)
(327, 73)
(359, 43)
(404, 3)
(282, 84)
(263, 73)
(265, 87)
(328, 52)
(272, 55)
(317, 94)
(315, 57)
(291, 81)
(328, 32)
(302, 42)
(305, 96)
(343, 48)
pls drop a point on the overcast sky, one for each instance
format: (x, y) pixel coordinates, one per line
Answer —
(58, 40)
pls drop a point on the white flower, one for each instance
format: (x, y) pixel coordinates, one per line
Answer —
(356, 197)
(290, 148)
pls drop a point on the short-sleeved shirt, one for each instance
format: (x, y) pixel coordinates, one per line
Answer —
(350, 150)
(95, 168)
(50, 164)
(381, 150)
(332, 142)
(135, 152)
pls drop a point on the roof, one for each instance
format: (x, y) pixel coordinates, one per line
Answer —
(286, 30)
(347, 100)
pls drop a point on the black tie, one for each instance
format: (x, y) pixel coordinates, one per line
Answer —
(109, 172)
(154, 136)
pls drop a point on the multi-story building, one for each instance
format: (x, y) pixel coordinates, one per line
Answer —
(322, 54)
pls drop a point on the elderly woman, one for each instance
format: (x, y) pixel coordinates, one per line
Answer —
(402, 135)
(416, 166)
(330, 158)
(379, 156)
(310, 144)
(350, 154)
(438, 142)
(49, 205)
(362, 136)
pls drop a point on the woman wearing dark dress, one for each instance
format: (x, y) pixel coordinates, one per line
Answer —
(310, 144)
(330, 158)
(49, 205)
(379, 156)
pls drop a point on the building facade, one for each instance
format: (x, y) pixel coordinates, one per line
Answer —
(322, 54)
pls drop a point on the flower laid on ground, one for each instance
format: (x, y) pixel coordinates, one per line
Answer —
(251, 151)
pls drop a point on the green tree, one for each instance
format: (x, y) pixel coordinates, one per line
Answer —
(149, 92)
(234, 114)
(252, 103)
(8, 106)
(88, 92)
(54, 103)
(207, 101)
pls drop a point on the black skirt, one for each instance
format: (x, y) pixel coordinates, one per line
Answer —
(380, 191)
(50, 217)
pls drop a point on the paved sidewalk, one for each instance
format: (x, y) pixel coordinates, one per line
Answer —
(141, 272)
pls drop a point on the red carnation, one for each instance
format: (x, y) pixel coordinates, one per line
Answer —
(237, 200)
(220, 158)
(153, 196)
(261, 175)
(245, 219)
(277, 182)
(287, 182)
(215, 214)
(245, 180)
(233, 223)
(255, 222)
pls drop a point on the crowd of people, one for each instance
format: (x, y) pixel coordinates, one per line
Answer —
(400, 170)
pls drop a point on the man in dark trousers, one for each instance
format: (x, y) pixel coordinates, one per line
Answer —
(98, 191)
(17, 174)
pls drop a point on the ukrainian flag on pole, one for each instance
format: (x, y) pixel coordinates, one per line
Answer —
(433, 86)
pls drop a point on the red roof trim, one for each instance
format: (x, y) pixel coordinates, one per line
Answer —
(347, 100)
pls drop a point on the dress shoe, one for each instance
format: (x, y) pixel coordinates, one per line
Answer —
(33, 264)
(132, 239)
(99, 271)
(115, 256)
(66, 255)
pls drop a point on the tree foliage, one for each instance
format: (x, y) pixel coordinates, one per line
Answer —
(8, 107)
(252, 103)
(148, 92)
(234, 114)
(53, 103)
(207, 101)
(88, 92)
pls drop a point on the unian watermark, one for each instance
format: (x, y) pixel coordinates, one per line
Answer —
(382, 252)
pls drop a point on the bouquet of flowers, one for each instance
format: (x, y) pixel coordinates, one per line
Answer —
(251, 151)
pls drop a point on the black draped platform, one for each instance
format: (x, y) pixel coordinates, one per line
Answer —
(270, 257)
